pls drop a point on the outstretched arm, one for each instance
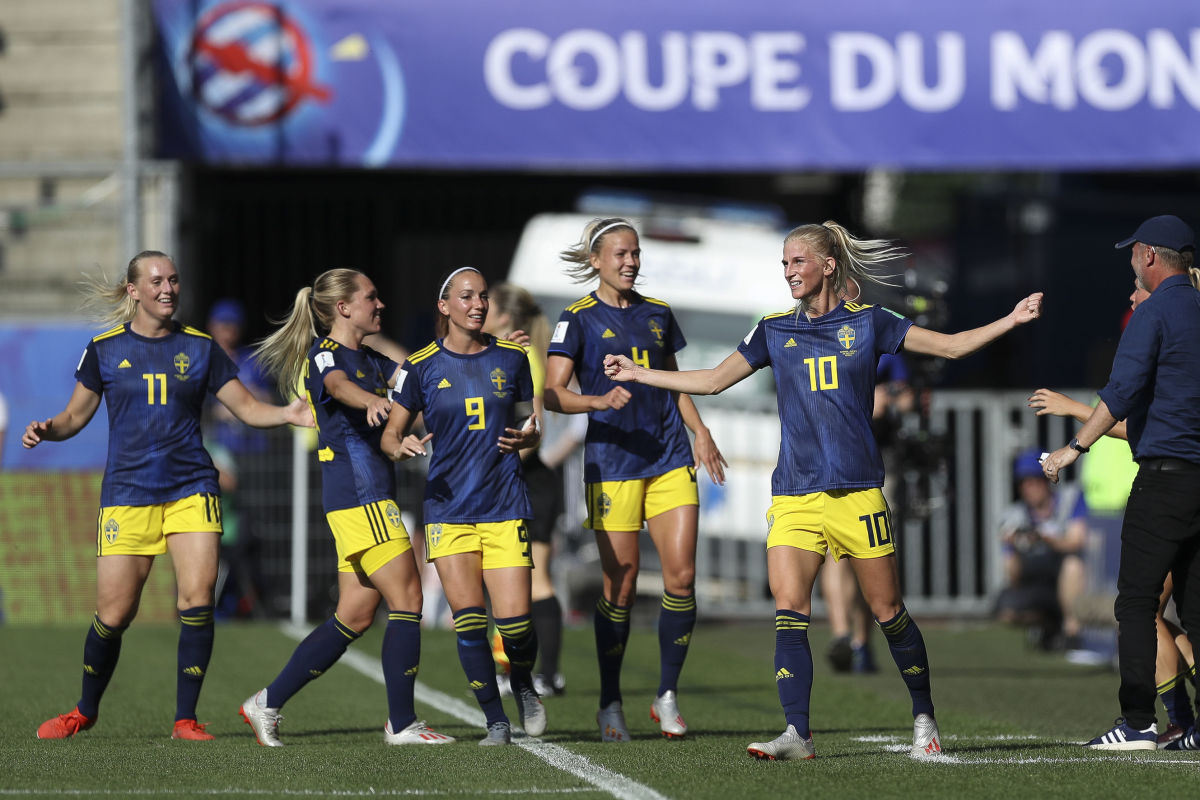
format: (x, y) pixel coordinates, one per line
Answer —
(693, 381)
(1060, 405)
(257, 414)
(958, 345)
(705, 449)
(1096, 426)
(66, 423)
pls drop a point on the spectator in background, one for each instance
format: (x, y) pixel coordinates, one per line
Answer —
(1044, 535)
(232, 446)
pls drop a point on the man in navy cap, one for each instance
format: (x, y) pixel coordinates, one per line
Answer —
(1155, 388)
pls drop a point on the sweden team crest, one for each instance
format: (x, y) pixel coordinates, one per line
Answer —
(434, 533)
(182, 362)
(499, 380)
(846, 337)
(604, 505)
(392, 513)
(111, 529)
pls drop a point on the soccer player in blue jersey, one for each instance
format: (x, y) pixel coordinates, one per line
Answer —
(476, 395)
(347, 385)
(638, 464)
(827, 485)
(159, 492)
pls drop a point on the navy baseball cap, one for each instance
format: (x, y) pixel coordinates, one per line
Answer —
(1164, 231)
(228, 310)
(1028, 465)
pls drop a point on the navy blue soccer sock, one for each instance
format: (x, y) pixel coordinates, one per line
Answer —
(1174, 696)
(401, 658)
(675, 623)
(521, 646)
(908, 651)
(319, 651)
(475, 655)
(612, 633)
(101, 649)
(195, 651)
(548, 625)
(793, 667)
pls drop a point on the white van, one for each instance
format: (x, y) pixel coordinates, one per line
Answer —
(719, 277)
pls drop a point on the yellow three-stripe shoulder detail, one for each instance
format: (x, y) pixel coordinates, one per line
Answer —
(424, 353)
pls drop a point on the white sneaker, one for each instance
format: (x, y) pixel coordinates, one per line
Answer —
(611, 720)
(531, 711)
(787, 746)
(417, 732)
(665, 711)
(262, 720)
(498, 733)
(927, 741)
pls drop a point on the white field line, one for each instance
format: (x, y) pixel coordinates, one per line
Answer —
(606, 780)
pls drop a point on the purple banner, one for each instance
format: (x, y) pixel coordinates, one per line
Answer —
(652, 85)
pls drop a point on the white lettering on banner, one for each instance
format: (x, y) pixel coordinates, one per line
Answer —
(1111, 70)
(587, 70)
(704, 62)
(895, 69)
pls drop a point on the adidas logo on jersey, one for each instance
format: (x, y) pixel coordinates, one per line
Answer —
(783, 673)
(790, 343)
(608, 334)
(124, 364)
(358, 373)
(444, 384)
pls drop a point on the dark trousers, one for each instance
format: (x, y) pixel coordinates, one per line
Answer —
(1160, 534)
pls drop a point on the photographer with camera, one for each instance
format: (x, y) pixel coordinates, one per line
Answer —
(1044, 534)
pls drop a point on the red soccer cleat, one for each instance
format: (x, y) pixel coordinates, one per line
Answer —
(64, 726)
(191, 730)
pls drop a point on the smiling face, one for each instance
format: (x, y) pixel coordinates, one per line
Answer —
(618, 260)
(363, 307)
(466, 307)
(156, 288)
(804, 270)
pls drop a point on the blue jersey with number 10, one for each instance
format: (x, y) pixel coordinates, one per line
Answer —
(468, 401)
(155, 389)
(825, 385)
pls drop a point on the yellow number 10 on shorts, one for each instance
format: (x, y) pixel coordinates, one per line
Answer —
(849, 522)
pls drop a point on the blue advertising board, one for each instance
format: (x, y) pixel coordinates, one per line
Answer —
(656, 85)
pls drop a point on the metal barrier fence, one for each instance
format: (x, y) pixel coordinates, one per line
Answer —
(950, 479)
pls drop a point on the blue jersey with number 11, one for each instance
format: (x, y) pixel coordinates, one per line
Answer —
(825, 385)
(154, 389)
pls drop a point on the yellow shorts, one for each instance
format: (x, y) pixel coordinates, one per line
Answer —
(625, 505)
(501, 544)
(849, 522)
(143, 530)
(367, 537)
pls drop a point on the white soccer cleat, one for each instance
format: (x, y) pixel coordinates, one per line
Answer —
(927, 741)
(531, 711)
(611, 720)
(498, 733)
(665, 711)
(417, 732)
(787, 746)
(262, 720)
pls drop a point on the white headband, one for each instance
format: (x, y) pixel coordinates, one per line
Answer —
(619, 224)
(450, 277)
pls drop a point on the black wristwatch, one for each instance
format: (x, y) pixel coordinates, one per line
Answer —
(1075, 445)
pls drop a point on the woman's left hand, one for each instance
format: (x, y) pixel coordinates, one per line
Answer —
(298, 413)
(528, 435)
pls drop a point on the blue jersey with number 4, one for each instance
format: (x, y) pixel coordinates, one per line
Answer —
(647, 437)
(825, 386)
(154, 390)
(468, 401)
